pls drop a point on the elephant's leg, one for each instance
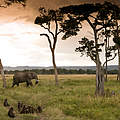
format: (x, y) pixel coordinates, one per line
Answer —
(17, 84)
(30, 83)
(13, 84)
(27, 83)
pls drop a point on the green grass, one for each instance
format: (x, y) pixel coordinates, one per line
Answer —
(73, 99)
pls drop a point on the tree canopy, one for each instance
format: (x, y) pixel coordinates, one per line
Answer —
(101, 18)
(10, 2)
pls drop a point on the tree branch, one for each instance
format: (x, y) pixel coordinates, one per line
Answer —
(110, 59)
(105, 25)
(48, 40)
(47, 30)
(90, 22)
(92, 16)
(60, 32)
(92, 58)
(99, 29)
(56, 32)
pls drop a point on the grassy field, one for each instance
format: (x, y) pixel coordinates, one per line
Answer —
(73, 99)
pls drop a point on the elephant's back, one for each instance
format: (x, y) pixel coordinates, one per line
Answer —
(19, 75)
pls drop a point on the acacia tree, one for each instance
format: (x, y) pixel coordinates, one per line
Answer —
(116, 39)
(46, 20)
(114, 30)
(2, 74)
(5, 4)
(91, 47)
(116, 33)
(105, 35)
(105, 15)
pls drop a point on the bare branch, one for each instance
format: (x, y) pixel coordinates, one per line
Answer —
(48, 40)
(92, 58)
(105, 25)
(90, 22)
(100, 29)
(47, 30)
(110, 59)
(92, 16)
(60, 32)
(56, 32)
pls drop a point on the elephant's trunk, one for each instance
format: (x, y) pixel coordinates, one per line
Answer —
(36, 80)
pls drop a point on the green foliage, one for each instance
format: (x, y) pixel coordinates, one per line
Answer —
(61, 71)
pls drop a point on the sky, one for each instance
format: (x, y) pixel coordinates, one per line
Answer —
(20, 41)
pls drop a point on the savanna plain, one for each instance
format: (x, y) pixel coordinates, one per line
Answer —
(73, 99)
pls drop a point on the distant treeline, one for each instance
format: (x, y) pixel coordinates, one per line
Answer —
(62, 71)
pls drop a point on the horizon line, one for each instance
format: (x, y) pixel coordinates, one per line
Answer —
(57, 66)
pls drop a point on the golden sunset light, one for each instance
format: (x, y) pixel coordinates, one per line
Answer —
(21, 43)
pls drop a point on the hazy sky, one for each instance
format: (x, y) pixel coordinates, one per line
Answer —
(21, 44)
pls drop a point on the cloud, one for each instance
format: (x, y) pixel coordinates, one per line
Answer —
(10, 35)
(59, 3)
(28, 14)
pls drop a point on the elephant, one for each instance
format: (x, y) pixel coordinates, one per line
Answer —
(21, 77)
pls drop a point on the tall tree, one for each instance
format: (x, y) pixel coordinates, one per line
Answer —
(116, 33)
(5, 4)
(94, 15)
(107, 22)
(105, 34)
(50, 20)
(116, 39)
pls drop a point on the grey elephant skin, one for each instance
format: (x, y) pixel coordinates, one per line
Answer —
(21, 77)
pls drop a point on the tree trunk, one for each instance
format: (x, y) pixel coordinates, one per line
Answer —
(106, 66)
(55, 67)
(106, 72)
(99, 80)
(99, 71)
(2, 74)
(118, 62)
(3, 78)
